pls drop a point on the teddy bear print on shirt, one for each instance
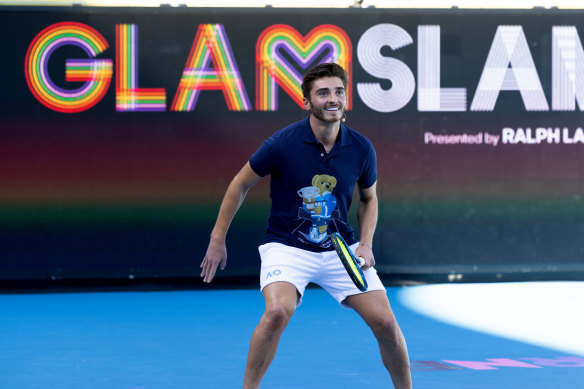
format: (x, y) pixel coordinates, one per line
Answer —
(319, 201)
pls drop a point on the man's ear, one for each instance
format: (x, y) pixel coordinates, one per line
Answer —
(306, 103)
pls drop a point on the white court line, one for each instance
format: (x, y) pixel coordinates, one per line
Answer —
(546, 314)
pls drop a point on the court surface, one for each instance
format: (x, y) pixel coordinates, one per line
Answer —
(509, 335)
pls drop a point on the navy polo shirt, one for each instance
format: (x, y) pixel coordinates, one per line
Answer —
(311, 190)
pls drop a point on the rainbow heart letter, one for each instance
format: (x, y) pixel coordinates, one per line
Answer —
(280, 44)
(129, 97)
(95, 73)
(211, 46)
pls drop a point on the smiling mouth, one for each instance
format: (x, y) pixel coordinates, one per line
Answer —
(332, 109)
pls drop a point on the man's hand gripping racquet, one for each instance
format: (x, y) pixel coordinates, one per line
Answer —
(352, 264)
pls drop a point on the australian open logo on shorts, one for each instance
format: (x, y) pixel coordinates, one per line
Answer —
(273, 273)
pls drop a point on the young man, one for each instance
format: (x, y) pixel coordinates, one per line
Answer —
(314, 166)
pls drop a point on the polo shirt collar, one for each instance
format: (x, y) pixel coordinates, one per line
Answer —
(308, 136)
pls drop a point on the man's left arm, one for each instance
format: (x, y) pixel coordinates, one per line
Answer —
(367, 211)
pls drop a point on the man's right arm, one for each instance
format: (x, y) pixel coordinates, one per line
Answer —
(217, 252)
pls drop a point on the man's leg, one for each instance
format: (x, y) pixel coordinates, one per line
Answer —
(280, 299)
(374, 308)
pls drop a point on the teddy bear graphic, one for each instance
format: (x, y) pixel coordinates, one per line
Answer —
(320, 203)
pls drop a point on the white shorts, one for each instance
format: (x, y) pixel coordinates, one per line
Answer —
(299, 267)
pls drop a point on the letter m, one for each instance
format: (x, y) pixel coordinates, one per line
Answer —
(283, 55)
(567, 69)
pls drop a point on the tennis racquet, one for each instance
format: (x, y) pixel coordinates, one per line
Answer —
(351, 263)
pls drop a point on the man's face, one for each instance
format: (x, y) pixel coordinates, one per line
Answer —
(328, 99)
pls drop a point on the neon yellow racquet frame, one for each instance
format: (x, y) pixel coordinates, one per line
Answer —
(350, 262)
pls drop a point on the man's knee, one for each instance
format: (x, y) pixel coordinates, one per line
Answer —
(386, 326)
(277, 317)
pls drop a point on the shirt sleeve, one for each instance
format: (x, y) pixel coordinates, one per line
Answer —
(262, 160)
(369, 174)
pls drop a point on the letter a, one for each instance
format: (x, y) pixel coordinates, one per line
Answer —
(509, 48)
(211, 47)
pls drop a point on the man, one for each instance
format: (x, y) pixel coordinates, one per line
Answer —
(314, 166)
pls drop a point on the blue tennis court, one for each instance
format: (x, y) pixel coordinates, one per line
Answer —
(515, 335)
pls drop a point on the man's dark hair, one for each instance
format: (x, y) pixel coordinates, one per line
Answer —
(321, 71)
